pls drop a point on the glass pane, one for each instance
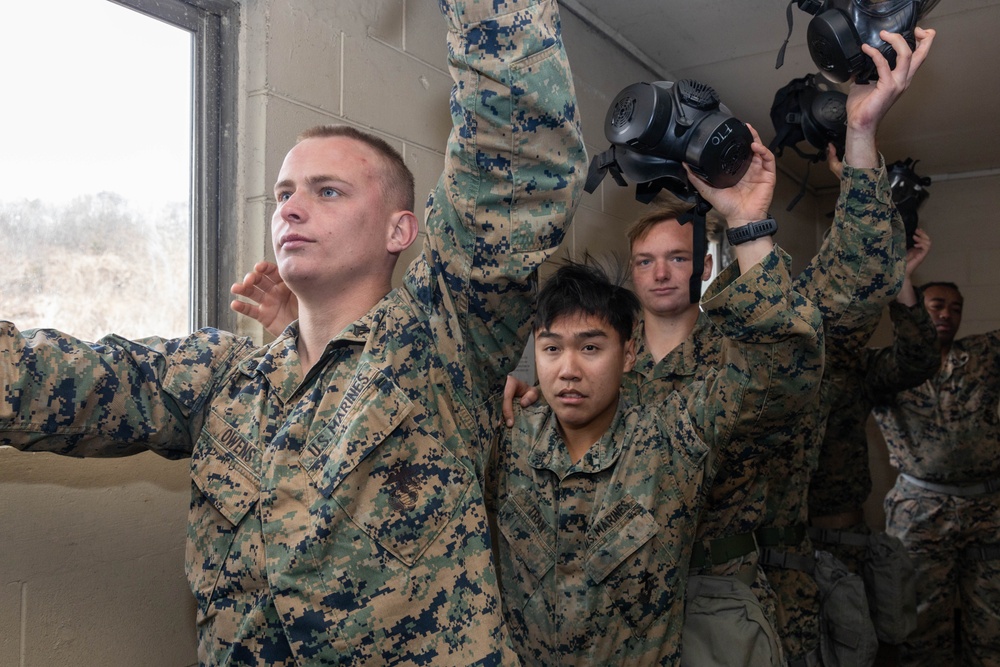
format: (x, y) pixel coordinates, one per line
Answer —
(95, 155)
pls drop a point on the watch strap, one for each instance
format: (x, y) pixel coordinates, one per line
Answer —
(754, 230)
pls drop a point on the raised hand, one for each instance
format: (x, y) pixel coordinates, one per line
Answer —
(272, 303)
(867, 104)
(750, 199)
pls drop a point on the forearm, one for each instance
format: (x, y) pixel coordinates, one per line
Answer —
(912, 358)
(860, 266)
(116, 398)
(773, 355)
(514, 171)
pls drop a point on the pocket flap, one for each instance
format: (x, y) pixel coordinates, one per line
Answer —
(619, 533)
(224, 468)
(372, 408)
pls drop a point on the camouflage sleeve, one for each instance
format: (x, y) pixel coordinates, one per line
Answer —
(860, 266)
(912, 358)
(112, 398)
(513, 175)
(772, 357)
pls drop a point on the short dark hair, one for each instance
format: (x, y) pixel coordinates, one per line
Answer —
(586, 288)
(940, 283)
(397, 179)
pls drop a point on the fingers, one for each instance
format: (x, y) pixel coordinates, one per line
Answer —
(508, 400)
(244, 308)
(924, 40)
(833, 162)
(530, 396)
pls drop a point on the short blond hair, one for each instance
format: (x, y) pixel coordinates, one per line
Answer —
(669, 210)
(397, 179)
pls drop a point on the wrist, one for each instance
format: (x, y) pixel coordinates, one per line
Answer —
(752, 230)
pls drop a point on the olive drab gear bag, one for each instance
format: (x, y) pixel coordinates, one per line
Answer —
(847, 635)
(891, 582)
(725, 625)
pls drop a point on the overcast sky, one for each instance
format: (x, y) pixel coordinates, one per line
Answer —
(97, 98)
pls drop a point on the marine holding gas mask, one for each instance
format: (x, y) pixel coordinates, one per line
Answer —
(654, 128)
(839, 28)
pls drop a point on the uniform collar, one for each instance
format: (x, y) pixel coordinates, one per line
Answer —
(678, 362)
(279, 362)
(549, 451)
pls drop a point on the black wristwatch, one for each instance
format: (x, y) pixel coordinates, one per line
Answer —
(755, 230)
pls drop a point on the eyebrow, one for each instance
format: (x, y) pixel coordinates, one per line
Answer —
(310, 180)
(581, 335)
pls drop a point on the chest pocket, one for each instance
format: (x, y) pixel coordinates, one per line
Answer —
(395, 480)
(224, 467)
(631, 563)
(527, 550)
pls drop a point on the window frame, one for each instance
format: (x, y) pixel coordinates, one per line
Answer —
(214, 25)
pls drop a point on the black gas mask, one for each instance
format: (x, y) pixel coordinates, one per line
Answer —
(806, 110)
(908, 192)
(839, 28)
(654, 128)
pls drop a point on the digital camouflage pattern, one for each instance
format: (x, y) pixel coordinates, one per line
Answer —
(947, 430)
(336, 516)
(859, 378)
(857, 272)
(593, 555)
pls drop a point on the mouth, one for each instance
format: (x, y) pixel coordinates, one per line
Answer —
(291, 241)
(570, 397)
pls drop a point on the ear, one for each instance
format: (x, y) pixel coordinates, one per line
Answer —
(629, 355)
(707, 273)
(402, 232)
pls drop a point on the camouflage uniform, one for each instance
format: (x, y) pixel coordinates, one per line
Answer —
(593, 555)
(858, 379)
(850, 280)
(336, 515)
(947, 432)
(856, 273)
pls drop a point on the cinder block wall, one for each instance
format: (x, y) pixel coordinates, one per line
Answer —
(91, 552)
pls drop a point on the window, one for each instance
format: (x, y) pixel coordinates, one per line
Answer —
(115, 178)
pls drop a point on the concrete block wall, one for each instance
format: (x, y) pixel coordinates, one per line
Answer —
(91, 552)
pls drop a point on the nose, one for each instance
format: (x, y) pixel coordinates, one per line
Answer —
(661, 271)
(293, 209)
(569, 369)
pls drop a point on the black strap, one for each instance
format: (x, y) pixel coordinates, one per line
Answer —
(696, 216)
(781, 52)
(722, 550)
(982, 552)
(831, 536)
(781, 536)
(786, 560)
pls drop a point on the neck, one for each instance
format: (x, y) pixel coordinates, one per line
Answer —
(665, 332)
(945, 349)
(578, 441)
(320, 320)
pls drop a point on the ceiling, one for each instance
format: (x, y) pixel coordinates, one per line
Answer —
(949, 119)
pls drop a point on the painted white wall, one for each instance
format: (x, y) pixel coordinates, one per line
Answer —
(91, 552)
